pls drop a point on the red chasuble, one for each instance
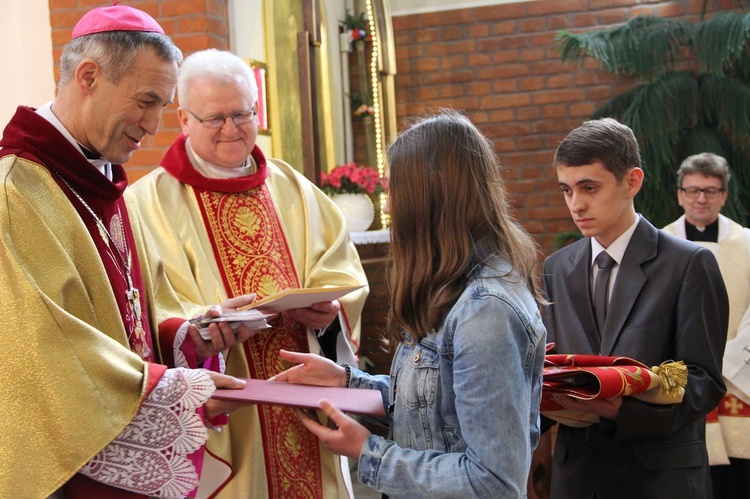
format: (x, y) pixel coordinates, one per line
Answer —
(252, 255)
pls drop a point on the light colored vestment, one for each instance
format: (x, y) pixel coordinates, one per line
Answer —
(225, 237)
(728, 428)
(71, 382)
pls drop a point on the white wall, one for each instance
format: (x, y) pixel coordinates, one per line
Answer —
(26, 56)
(247, 39)
(404, 7)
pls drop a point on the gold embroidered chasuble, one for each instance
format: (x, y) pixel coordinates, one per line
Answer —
(278, 234)
(70, 380)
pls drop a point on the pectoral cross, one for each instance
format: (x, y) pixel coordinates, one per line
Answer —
(134, 299)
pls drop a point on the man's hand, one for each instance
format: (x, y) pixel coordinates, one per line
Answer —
(318, 316)
(222, 334)
(606, 408)
(342, 436)
(215, 407)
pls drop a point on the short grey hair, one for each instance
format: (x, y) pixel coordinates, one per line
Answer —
(707, 164)
(218, 66)
(114, 51)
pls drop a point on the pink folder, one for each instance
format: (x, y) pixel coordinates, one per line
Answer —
(354, 400)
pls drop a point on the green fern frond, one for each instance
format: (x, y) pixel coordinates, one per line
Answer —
(642, 47)
(722, 40)
(726, 102)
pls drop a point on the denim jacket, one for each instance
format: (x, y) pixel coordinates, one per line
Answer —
(463, 402)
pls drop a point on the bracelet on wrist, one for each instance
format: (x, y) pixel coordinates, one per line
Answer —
(348, 371)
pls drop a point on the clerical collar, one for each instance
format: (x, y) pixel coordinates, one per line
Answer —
(708, 234)
(209, 170)
(100, 163)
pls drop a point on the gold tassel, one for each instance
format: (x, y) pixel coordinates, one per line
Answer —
(673, 374)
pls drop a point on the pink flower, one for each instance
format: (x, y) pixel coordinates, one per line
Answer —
(350, 178)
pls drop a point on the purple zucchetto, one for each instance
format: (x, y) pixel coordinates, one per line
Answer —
(115, 18)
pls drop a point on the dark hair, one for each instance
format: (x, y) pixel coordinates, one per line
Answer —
(706, 164)
(114, 51)
(446, 195)
(604, 140)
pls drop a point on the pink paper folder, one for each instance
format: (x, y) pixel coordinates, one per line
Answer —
(355, 400)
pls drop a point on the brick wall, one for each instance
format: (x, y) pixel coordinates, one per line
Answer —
(501, 66)
(192, 24)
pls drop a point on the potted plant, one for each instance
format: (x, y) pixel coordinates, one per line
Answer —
(350, 187)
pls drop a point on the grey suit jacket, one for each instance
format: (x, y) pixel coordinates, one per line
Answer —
(668, 303)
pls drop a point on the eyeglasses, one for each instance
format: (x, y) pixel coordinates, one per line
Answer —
(694, 192)
(218, 121)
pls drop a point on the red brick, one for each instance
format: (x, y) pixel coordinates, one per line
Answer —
(61, 36)
(557, 22)
(583, 20)
(604, 4)
(546, 7)
(449, 77)
(560, 81)
(502, 115)
(504, 144)
(62, 4)
(548, 213)
(531, 143)
(65, 19)
(170, 8)
(136, 172)
(528, 55)
(504, 56)
(426, 36)
(452, 33)
(533, 83)
(426, 93)
(503, 101)
(529, 25)
(504, 28)
(503, 71)
(612, 16)
(192, 24)
(642, 10)
(462, 47)
(477, 60)
(505, 86)
(502, 11)
(164, 138)
(670, 10)
(452, 91)
(527, 113)
(478, 88)
(430, 64)
(447, 17)
(478, 30)
(582, 109)
(554, 111)
(191, 43)
(146, 157)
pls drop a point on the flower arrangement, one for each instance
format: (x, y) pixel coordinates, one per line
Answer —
(360, 108)
(351, 179)
(356, 26)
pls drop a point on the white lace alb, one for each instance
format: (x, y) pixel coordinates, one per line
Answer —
(150, 456)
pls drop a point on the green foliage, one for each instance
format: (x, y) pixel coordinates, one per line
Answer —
(691, 95)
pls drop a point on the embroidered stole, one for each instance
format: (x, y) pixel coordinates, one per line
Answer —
(253, 257)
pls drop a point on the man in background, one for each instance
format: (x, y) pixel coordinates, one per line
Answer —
(84, 390)
(703, 180)
(230, 221)
(664, 300)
